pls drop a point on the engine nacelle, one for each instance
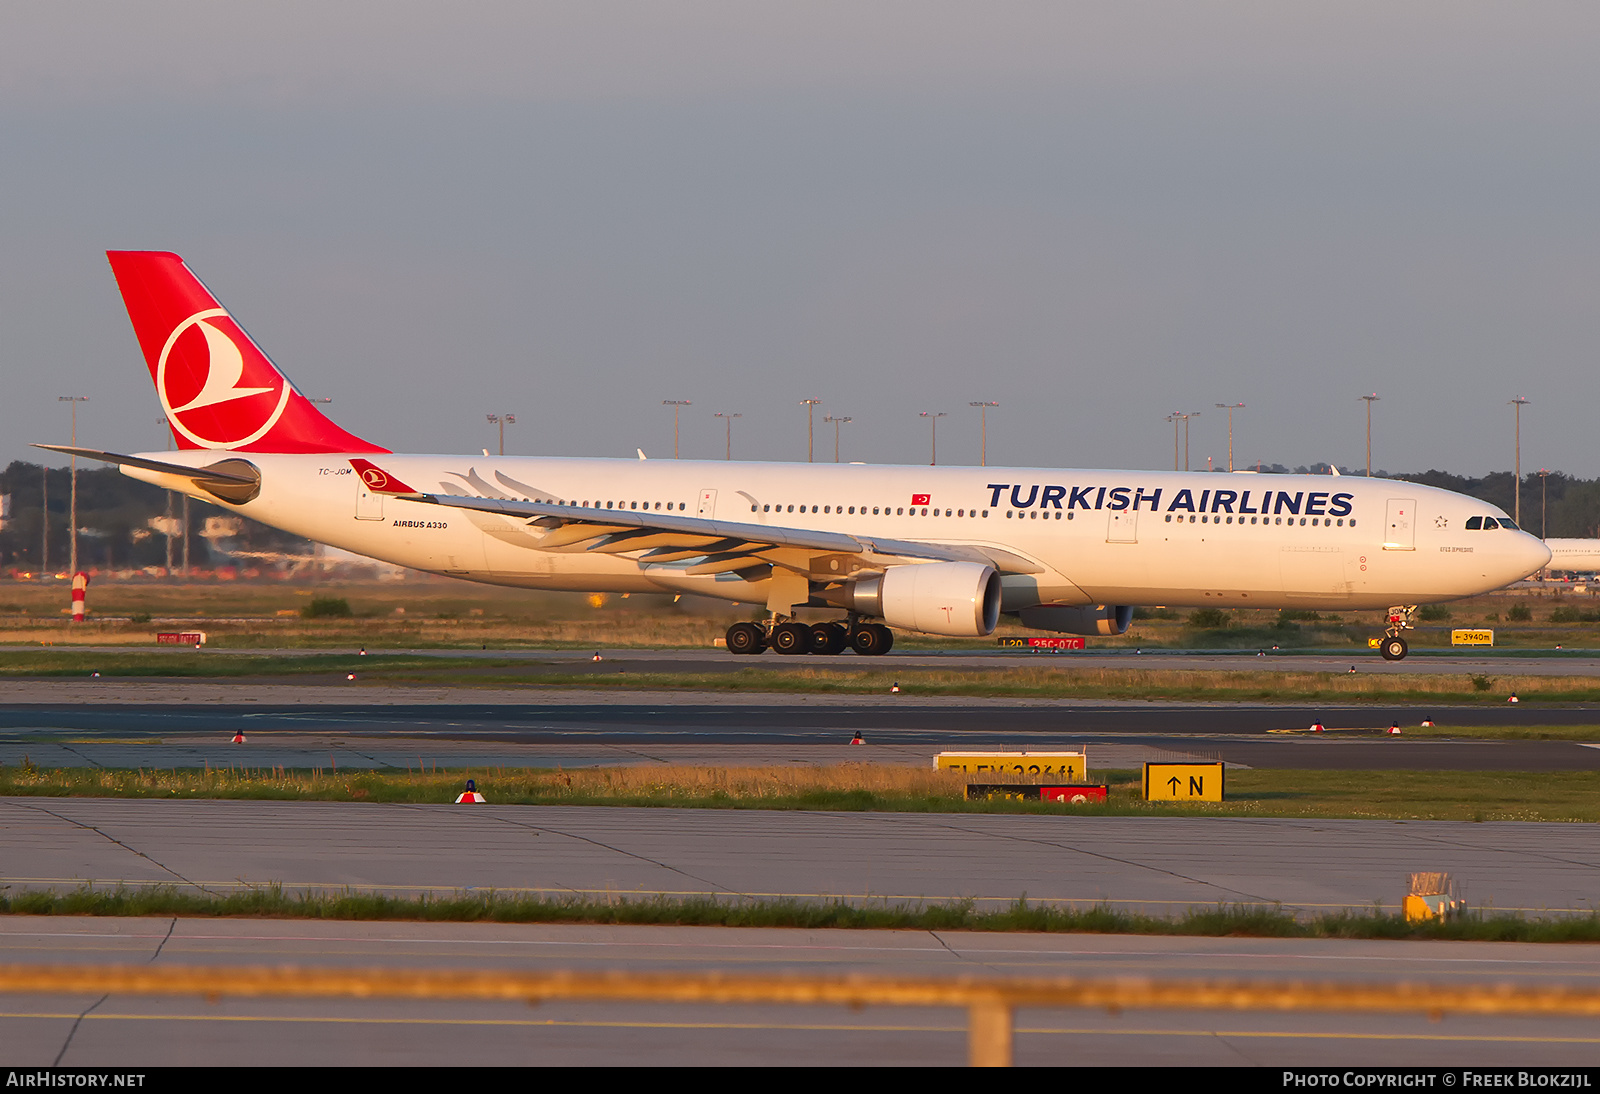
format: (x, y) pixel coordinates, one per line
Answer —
(1102, 619)
(958, 599)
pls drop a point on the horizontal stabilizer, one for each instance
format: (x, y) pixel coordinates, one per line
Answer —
(199, 474)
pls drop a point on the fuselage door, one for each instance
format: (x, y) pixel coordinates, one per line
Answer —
(1400, 525)
(369, 505)
(708, 504)
(1123, 526)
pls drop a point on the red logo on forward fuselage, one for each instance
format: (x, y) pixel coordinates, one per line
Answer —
(921, 499)
(217, 388)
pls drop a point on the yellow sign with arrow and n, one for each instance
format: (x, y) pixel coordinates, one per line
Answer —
(1200, 782)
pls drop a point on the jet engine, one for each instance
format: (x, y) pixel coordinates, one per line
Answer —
(958, 599)
(1103, 619)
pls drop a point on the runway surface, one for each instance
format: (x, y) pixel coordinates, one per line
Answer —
(1154, 864)
(130, 1032)
(183, 724)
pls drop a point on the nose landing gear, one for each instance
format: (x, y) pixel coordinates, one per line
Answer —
(1393, 647)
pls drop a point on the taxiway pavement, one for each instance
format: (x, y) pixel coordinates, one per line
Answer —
(128, 1032)
(1156, 864)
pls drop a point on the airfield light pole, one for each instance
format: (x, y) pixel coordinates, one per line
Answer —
(166, 428)
(837, 422)
(44, 545)
(1230, 408)
(72, 508)
(1369, 399)
(501, 420)
(1519, 402)
(983, 420)
(1544, 497)
(676, 405)
(933, 420)
(1175, 418)
(810, 405)
(728, 421)
(1186, 417)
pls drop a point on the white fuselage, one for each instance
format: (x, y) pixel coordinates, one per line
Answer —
(1578, 555)
(1094, 537)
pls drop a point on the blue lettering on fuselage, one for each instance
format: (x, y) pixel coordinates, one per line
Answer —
(1124, 498)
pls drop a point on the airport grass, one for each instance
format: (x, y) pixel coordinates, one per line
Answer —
(1586, 734)
(1224, 921)
(1405, 795)
(1087, 682)
(1045, 681)
(246, 667)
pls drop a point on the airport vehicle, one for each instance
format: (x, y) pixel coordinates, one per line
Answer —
(937, 550)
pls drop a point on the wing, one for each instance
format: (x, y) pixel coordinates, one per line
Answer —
(721, 546)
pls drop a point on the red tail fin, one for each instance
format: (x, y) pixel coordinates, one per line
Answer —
(218, 388)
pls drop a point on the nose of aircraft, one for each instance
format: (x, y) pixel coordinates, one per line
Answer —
(1528, 554)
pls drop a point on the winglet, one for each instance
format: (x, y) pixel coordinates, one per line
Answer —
(378, 480)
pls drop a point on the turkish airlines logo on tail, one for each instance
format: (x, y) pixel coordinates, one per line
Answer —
(378, 480)
(202, 368)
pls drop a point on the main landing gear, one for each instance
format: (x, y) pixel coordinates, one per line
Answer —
(793, 637)
(1393, 646)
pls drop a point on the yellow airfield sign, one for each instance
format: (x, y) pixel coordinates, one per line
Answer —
(1183, 782)
(1461, 637)
(1064, 766)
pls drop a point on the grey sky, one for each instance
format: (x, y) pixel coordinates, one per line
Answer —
(1092, 213)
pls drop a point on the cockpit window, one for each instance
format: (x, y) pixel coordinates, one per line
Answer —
(1507, 523)
(1474, 524)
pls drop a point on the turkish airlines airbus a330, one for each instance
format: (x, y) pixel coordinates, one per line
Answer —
(938, 550)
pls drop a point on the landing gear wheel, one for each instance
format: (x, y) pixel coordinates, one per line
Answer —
(791, 638)
(829, 638)
(872, 640)
(746, 638)
(1394, 648)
